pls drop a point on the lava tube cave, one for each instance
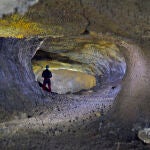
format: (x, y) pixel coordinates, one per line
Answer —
(98, 53)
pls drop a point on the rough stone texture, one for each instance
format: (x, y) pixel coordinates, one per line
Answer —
(134, 98)
(102, 58)
(107, 16)
(73, 17)
(16, 76)
(131, 108)
(144, 135)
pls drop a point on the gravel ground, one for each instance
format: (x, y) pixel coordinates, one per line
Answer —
(69, 122)
(67, 108)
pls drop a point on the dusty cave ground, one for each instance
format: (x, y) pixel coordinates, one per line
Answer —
(64, 126)
(69, 121)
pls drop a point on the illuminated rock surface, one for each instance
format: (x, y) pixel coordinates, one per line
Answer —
(85, 54)
(67, 81)
(144, 135)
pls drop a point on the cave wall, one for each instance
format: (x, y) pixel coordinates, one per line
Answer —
(132, 104)
(16, 77)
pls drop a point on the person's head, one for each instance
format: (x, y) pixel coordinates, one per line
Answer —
(47, 66)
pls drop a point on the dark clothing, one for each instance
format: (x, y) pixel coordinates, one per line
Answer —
(47, 75)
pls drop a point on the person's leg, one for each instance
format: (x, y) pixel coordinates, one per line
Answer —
(49, 86)
(44, 85)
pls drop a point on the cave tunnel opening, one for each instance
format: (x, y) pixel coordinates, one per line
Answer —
(85, 68)
(68, 75)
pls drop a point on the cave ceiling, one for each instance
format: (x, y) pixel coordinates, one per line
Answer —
(55, 18)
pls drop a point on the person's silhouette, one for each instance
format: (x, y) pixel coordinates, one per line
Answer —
(47, 75)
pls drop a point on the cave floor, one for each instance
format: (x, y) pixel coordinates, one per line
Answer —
(69, 122)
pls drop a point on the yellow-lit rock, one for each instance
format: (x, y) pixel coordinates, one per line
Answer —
(68, 81)
(18, 26)
(71, 81)
(66, 78)
(56, 65)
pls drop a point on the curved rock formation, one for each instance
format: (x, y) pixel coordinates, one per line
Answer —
(131, 108)
(135, 95)
(87, 54)
(18, 86)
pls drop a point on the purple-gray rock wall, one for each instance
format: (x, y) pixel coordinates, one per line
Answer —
(16, 77)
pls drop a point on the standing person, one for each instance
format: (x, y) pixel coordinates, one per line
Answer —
(47, 75)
